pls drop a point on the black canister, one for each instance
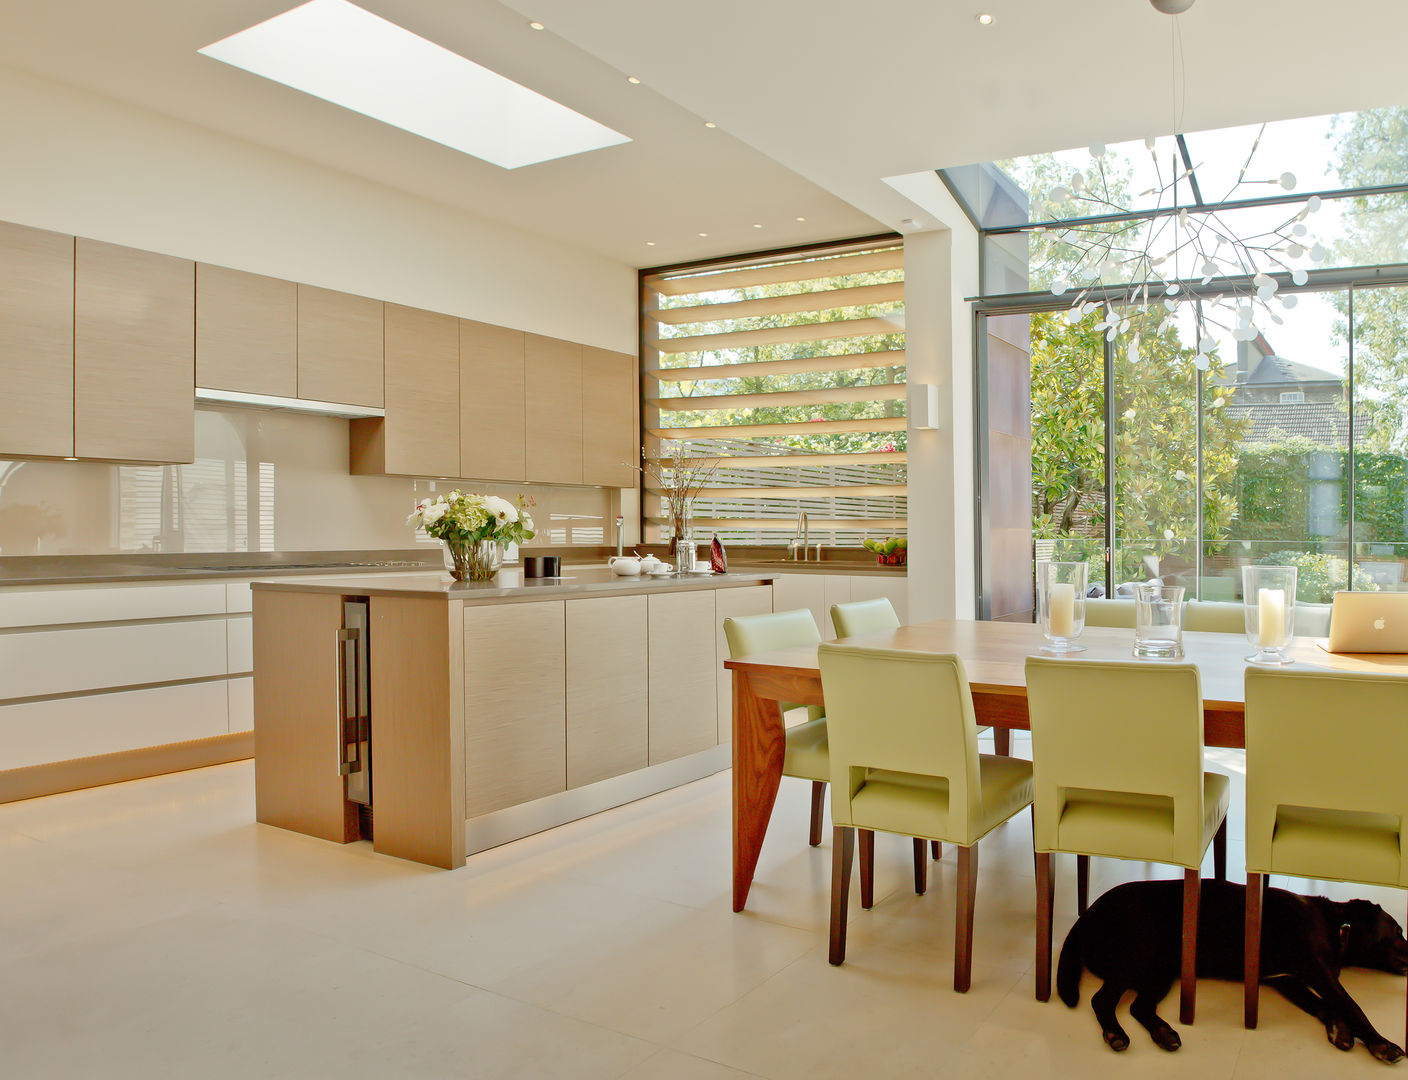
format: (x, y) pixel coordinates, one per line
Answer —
(539, 566)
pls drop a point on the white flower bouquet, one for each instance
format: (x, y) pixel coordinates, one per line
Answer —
(473, 527)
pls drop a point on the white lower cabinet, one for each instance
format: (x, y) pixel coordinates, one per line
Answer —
(683, 684)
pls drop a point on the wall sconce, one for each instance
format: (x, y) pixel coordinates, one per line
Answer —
(923, 406)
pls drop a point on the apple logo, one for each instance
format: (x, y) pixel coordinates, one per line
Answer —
(1378, 624)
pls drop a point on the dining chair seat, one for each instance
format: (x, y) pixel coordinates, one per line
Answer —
(1132, 825)
(806, 755)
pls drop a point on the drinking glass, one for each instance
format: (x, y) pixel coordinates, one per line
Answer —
(1158, 621)
(1061, 601)
(1269, 606)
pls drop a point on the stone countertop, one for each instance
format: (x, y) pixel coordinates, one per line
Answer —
(43, 570)
(509, 586)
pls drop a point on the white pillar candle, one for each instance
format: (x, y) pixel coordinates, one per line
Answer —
(1062, 601)
(1271, 618)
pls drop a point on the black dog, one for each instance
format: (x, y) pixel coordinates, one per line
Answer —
(1131, 937)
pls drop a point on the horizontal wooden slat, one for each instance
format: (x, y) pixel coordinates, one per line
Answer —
(781, 461)
(877, 358)
(821, 300)
(776, 273)
(775, 398)
(783, 335)
(865, 524)
(857, 491)
(752, 431)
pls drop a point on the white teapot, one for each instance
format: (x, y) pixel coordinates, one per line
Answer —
(624, 565)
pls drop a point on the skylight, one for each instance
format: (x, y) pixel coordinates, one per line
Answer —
(341, 53)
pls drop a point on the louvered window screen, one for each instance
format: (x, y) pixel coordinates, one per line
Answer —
(789, 374)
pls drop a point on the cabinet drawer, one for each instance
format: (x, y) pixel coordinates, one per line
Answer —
(37, 732)
(94, 658)
(108, 603)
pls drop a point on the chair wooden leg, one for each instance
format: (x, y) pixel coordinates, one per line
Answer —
(867, 869)
(818, 805)
(963, 937)
(1219, 852)
(936, 849)
(843, 846)
(1002, 741)
(921, 867)
(1251, 957)
(1188, 990)
(1082, 883)
(1045, 901)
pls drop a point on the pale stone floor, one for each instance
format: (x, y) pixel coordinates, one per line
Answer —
(152, 930)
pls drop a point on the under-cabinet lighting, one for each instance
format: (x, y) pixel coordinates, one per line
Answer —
(207, 396)
(334, 50)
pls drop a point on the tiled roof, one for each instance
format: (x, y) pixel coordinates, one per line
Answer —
(1322, 422)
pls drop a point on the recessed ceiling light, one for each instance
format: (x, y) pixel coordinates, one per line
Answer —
(650, 243)
(801, 219)
(703, 234)
(632, 80)
(336, 51)
(535, 25)
(984, 19)
(710, 124)
(756, 226)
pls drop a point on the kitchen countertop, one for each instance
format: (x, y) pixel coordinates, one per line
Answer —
(510, 586)
(36, 570)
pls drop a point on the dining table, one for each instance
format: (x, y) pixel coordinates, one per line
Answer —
(994, 655)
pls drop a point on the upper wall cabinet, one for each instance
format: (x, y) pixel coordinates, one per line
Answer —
(610, 408)
(420, 434)
(36, 343)
(493, 442)
(553, 409)
(134, 354)
(339, 347)
(246, 332)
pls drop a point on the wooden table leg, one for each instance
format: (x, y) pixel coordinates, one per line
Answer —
(1002, 741)
(758, 747)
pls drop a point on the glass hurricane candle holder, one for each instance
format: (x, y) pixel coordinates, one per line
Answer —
(1269, 606)
(1158, 622)
(1061, 602)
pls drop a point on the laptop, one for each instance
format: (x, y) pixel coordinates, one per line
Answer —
(1369, 622)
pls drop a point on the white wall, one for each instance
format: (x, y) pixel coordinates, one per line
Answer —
(78, 163)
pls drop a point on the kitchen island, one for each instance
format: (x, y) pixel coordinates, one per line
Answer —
(495, 709)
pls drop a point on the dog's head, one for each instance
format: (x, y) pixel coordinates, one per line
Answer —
(1370, 938)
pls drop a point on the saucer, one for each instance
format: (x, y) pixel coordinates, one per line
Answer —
(702, 570)
(664, 571)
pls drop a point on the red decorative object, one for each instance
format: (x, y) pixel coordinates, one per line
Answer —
(718, 561)
(897, 559)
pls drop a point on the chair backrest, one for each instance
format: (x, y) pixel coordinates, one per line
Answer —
(1101, 611)
(864, 617)
(749, 635)
(900, 711)
(1324, 740)
(1118, 727)
(1218, 616)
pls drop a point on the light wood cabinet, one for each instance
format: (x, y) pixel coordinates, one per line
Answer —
(36, 342)
(339, 347)
(134, 354)
(610, 414)
(515, 704)
(730, 604)
(553, 408)
(683, 685)
(420, 434)
(493, 439)
(246, 332)
(607, 721)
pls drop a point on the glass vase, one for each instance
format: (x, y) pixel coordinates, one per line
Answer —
(1269, 608)
(1158, 622)
(683, 548)
(1061, 602)
(474, 560)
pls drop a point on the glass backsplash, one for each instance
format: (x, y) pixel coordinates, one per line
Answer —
(261, 481)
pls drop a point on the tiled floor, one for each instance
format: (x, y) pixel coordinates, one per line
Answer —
(152, 930)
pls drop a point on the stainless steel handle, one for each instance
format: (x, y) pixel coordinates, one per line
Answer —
(344, 767)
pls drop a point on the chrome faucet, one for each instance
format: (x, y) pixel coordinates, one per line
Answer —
(800, 538)
(620, 521)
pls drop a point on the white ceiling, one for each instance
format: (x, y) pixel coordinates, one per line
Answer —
(817, 101)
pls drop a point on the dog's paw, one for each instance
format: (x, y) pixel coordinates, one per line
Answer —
(1117, 1040)
(1165, 1038)
(1387, 1052)
(1339, 1034)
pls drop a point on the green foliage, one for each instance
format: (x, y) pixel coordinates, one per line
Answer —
(1319, 574)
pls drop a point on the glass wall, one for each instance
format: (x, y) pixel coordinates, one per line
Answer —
(1380, 438)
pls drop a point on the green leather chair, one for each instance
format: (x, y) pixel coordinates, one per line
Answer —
(1318, 804)
(1215, 616)
(1117, 753)
(904, 759)
(1102, 611)
(864, 617)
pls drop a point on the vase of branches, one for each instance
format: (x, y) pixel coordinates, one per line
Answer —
(678, 478)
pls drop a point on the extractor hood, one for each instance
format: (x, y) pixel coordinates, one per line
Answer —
(207, 396)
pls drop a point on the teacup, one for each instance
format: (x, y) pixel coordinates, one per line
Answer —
(650, 564)
(624, 565)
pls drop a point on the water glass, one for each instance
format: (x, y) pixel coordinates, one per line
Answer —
(1061, 604)
(1269, 607)
(1158, 621)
